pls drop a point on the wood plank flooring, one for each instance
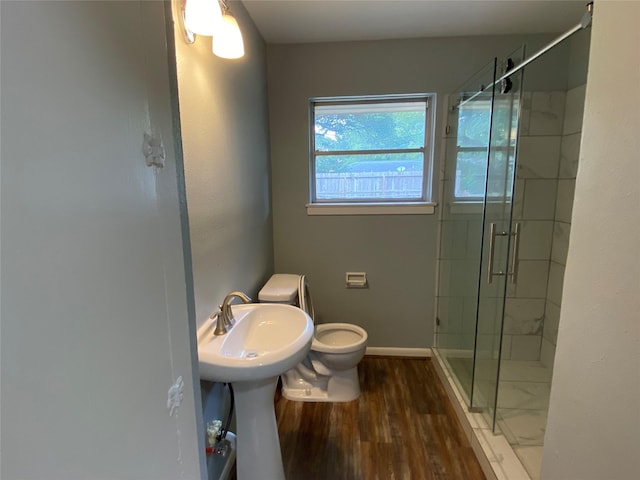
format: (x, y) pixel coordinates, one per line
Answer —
(401, 427)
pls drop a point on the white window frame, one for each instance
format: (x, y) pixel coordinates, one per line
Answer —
(372, 206)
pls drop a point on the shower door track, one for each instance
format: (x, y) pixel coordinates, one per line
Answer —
(585, 21)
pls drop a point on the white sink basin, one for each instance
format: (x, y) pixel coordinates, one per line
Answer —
(267, 340)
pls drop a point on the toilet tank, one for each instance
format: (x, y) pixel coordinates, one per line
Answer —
(281, 288)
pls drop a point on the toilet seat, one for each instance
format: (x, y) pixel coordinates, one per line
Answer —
(338, 338)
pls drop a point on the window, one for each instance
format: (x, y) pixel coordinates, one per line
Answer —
(371, 151)
(472, 149)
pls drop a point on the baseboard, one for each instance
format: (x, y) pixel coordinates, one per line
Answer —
(398, 352)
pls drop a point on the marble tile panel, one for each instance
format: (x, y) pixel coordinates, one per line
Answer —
(547, 353)
(453, 239)
(547, 113)
(569, 155)
(503, 460)
(525, 347)
(530, 371)
(496, 210)
(524, 316)
(532, 279)
(539, 157)
(518, 200)
(487, 347)
(551, 322)
(556, 280)
(523, 427)
(458, 278)
(564, 201)
(444, 278)
(474, 238)
(506, 347)
(531, 458)
(560, 248)
(524, 395)
(489, 314)
(525, 113)
(539, 199)
(574, 110)
(535, 239)
(450, 313)
(470, 312)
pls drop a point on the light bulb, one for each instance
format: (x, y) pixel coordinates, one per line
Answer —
(202, 17)
(227, 41)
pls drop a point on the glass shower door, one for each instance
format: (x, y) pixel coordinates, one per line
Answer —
(467, 154)
(500, 240)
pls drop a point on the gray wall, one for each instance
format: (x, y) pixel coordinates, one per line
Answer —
(223, 114)
(398, 252)
(94, 312)
(593, 431)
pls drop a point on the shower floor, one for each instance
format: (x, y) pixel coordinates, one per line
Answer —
(523, 402)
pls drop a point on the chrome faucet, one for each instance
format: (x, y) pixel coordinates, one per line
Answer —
(225, 320)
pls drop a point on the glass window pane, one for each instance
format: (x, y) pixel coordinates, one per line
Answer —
(471, 174)
(375, 126)
(501, 173)
(474, 121)
(369, 176)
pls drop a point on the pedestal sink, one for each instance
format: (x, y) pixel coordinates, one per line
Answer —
(266, 341)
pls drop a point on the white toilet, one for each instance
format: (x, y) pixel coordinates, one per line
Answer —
(330, 371)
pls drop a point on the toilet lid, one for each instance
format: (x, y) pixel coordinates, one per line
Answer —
(281, 288)
(304, 297)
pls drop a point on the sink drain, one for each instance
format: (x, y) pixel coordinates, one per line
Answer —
(251, 355)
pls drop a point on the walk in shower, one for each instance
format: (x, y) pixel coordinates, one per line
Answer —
(511, 157)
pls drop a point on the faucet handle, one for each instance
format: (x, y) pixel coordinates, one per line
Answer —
(220, 328)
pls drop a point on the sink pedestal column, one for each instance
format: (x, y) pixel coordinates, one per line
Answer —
(257, 436)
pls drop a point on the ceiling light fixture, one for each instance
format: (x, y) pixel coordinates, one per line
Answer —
(227, 40)
(202, 17)
(210, 18)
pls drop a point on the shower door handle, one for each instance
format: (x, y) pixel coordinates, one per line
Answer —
(515, 261)
(493, 233)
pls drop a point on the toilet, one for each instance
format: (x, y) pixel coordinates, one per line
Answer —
(330, 371)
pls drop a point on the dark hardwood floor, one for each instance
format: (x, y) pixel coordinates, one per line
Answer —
(401, 427)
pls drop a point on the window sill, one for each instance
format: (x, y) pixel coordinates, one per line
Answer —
(422, 208)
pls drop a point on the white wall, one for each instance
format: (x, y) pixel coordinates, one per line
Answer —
(94, 307)
(593, 431)
(223, 113)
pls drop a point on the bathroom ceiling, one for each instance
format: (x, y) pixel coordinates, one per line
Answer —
(303, 21)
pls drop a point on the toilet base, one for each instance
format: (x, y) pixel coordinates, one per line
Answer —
(342, 386)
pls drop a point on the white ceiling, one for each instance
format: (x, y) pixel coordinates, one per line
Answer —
(303, 21)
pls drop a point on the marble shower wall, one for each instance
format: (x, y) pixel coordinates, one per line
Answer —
(545, 180)
(569, 155)
(540, 141)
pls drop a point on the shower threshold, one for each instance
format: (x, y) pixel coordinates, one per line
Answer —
(496, 456)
